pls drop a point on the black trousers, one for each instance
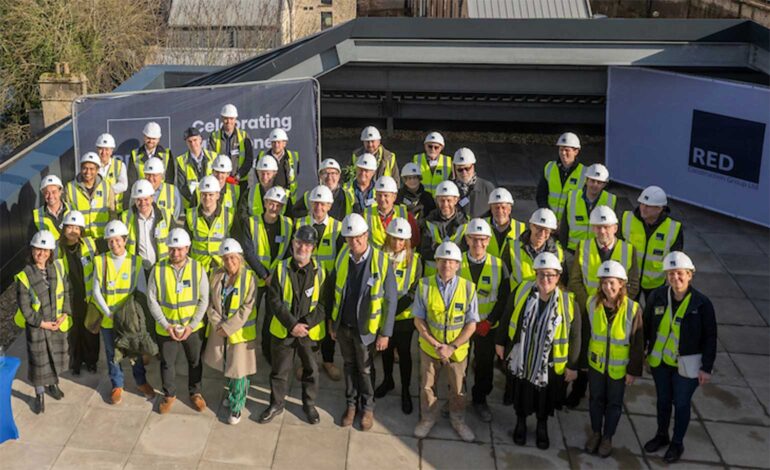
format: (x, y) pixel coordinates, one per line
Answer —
(265, 341)
(283, 351)
(169, 349)
(605, 405)
(401, 341)
(358, 359)
(580, 385)
(483, 366)
(327, 348)
(84, 345)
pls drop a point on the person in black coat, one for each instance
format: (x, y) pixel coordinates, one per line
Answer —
(418, 201)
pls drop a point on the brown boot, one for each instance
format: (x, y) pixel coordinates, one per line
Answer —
(367, 420)
(165, 405)
(332, 371)
(605, 448)
(147, 390)
(348, 416)
(117, 395)
(198, 402)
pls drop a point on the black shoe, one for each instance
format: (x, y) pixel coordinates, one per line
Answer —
(384, 388)
(312, 415)
(573, 399)
(656, 443)
(55, 392)
(673, 453)
(541, 438)
(75, 371)
(91, 368)
(269, 413)
(406, 402)
(483, 412)
(40, 403)
(520, 432)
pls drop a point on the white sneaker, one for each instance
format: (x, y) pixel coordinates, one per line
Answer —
(423, 428)
(462, 429)
(234, 418)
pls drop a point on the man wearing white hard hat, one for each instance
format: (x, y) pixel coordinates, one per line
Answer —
(474, 190)
(654, 234)
(230, 189)
(288, 161)
(151, 148)
(413, 194)
(50, 214)
(433, 165)
(192, 166)
(118, 278)
(178, 297)
(362, 295)
(575, 224)
(329, 175)
(253, 190)
(113, 170)
(90, 194)
(371, 143)
(209, 224)
(361, 188)
(166, 195)
(445, 223)
(505, 229)
(148, 226)
(533, 241)
(561, 176)
(233, 141)
(445, 313)
(385, 209)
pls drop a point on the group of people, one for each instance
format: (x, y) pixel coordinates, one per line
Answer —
(194, 245)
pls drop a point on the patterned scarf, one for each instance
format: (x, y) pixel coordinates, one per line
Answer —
(465, 188)
(529, 357)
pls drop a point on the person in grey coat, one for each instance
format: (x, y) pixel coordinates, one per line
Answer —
(474, 191)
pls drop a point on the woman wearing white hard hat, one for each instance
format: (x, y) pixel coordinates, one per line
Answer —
(166, 195)
(89, 194)
(540, 342)
(45, 323)
(361, 188)
(288, 161)
(408, 270)
(561, 176)
(150, 148)
(209, 224)
(575, 224)
(232, 314)
(413, 194)
(230, 189)
(432, 165)
(680, 329)
(148, 225)
(474, 190)
(538, 238)
(233, 141)
(192, 166)
(615, 354)
(49, 216)
(446, 222)
(113, 170)
(385, 160)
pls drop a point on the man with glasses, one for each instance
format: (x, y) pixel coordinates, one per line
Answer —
(329, 175)
(474, 191)
(434, 166)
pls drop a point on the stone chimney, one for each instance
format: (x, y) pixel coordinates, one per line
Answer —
(58, 90)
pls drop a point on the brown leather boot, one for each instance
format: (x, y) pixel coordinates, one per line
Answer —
(198, 402)
(147, 390)
(165, 405)
(367, 420)
(348, 416)
(117, 395)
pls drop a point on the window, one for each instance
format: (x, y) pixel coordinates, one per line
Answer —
(326, 2)
(326, 20)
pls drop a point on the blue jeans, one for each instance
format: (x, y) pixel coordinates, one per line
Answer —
(115, 370)
(673, 389)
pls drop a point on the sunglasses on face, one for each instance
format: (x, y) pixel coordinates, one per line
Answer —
(463, 170)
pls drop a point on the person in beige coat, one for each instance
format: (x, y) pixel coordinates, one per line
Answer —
(232, 317)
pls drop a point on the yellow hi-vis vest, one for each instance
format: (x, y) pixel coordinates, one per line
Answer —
(112, 177)
(432, 176)
(229, 196)
(87, 254)
(116, 285)
(218, 136)
(160, 235)
(557, 194)
(277, 329)
(488, 284)
(565, 307)
(515, 230)
(22, 278)
(206, 239)
(577, 216)
(378, 266)
(186, 165)
(615, 358)
(177, 299)
(435, 234)
(376, 229)
(43, 222)
(406, 279)
(650, 252)
(325, 252)
(445, 322)
(139, 164)
(589, 261)
(522, 265)
(291, 182)
(166, 197)
(350, 195)
(248, 331)
(262, 244)
(95, 208)
(666, 346)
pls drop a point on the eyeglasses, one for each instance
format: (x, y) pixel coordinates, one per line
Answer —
(433, 146)
(464, 169)
(543, 275)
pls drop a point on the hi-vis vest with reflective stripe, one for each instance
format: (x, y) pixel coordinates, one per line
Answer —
(650, 252)
(378, 267)
(577, 216)
(95, 208)
(557, 194)
(379, 155)
(22, 278)
(112, 177)
(177, 299)
(248, 331)
(277, 329)
(431, 177)
(515, 229)
(207, 239)
(456, 238)
(166, 198)
(488, 284)
(262, 244)
(116, 285)
(291, 182)
(615, 360)
(589, 261)
(376, 229)
(185, 164)
(565, 307)
(44, 222)
(666, 346)
(350, 191)
(160, 235)
(406, 279)
(349, 200)
(257, 206)
(445, 322)
(229, 196)
(139, 164)
(87, 254)
(325, 251)
(522, 268)
(218, 136)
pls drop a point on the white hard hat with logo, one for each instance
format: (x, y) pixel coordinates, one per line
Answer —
(91, 157)
(386, 184)
(229, 111)
(105, 141)
(115, 228)
(545, 218)
(370, 133)
(367, 161)
(603, 215)
(278, 134)
(653, 196)
(354, 225)
(321, 194)
(500, 196)
(568, 139)
(464, 156)
(142, 188)
(434, 137)
(478, 227)
(209, 184)
(277, 194)
(74, 218)
(448, 250)
(447, 188)
(411, 169)
(178, 238)
(329, 164)
(267, 163)
(154, 166)
(546, 260)
(612, 268)
(230, 246)
(677, 260)
(50, 180)
(152, 130)
(43, 240)
(598, 172)
(222, 164)
(399, 228)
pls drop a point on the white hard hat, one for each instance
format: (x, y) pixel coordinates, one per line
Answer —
(603, 215)
(229, 111)
(152, 130)
(367, 161)
(500, 196)
(105, 141)
(447, 188)
(547, 260)
(267, 163)
(115, 228)
(386, 184)
(222, 164)
(399, 228)
(49, 181)
(464, 156)
(354, 225)
(154, 166)
(278, 134)
(568, 139)
(411, 169)
(598, 172)
(448, 250)
(677, 260)
(478, 227)
(277, 194)
(545, 218)
(74, 218)
(653, 196)
(230, 246)
(370, 133)
(321, 194)
(209, 184)
(612, 268)
(142, 188)
(329, 164)
(178, 238)
(43, 240)
(91, 157)
(435, 138)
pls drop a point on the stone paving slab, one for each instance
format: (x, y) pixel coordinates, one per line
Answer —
(745, 339)
(439, 454)
(742, 445)
(740, 312)
(382, 451)
(110, 430)
(729, 403)
(72, 458)
(298, 446)
(755, 287)
(698, 444)
(717, 285)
